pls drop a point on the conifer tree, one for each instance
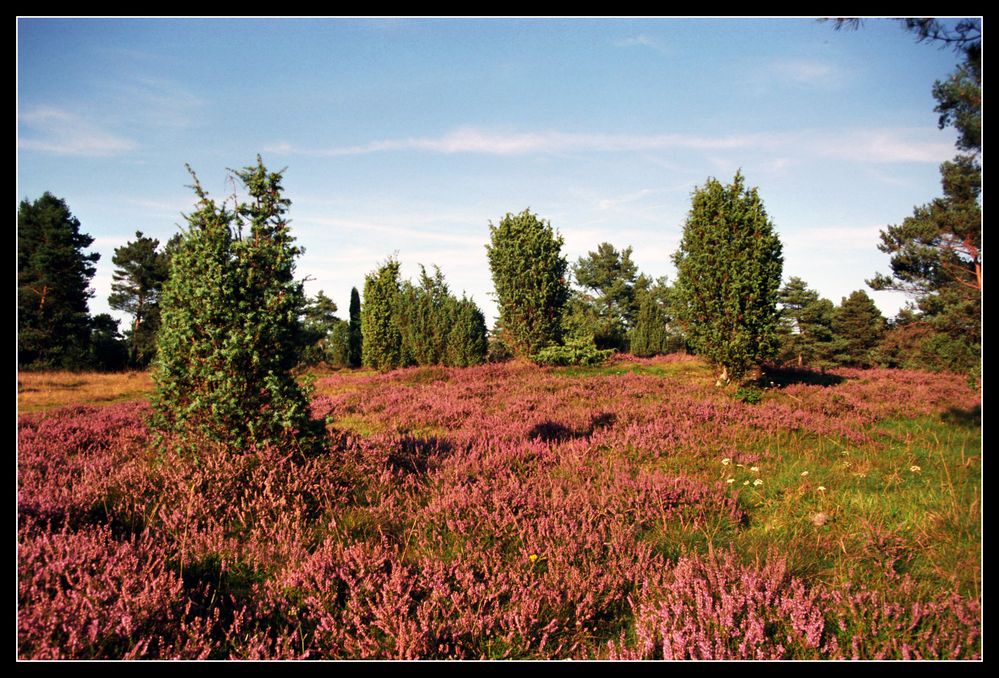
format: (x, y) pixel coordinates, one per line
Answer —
(231, 325)
(728, 275)
(355, 336)
(138, 280)
(806, 329)
(653, 333)
(860, 324)
(53, 278)
(529, 276)
(382, 340)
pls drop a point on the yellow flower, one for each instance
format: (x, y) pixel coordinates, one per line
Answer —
(533, 558)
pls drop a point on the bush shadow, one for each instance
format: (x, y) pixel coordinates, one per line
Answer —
(774, 375)
(554, 432)
(968, 418)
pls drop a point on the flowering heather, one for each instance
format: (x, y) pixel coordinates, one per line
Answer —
(502, 511)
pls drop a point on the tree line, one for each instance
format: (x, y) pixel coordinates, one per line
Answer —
(726, 304)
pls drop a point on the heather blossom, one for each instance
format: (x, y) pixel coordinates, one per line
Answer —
(407, 537)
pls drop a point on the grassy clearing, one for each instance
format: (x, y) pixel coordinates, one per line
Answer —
(37, 391)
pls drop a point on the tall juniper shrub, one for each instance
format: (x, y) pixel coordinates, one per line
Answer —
(231, 328)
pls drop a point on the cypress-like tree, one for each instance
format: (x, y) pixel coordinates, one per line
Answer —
(728, 274)
(382, 340)
(466, 337)
(355, 337)
(231, 325)
(53, 278)
(651, 334)
(529, 275)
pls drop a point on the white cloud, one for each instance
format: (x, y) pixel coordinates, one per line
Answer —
(859, 145)
(884, 146)
(642, 40)
(838, 238)
(473, 140)
(806, 72)
(52, 130)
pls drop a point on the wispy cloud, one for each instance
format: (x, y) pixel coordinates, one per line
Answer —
(806, 72)
(161, 102)
(47, 129)
(864, 146)
(881, 146)
(474, 140)
(642, 40)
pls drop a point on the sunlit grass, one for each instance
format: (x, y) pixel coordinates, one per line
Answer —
(49, 390)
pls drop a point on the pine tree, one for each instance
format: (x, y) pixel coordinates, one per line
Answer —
(529, 276)
(609, 304)
(806, 329)
(729, 271)
(318, 320)
(231, 329)
(137, 283)
(53, 278)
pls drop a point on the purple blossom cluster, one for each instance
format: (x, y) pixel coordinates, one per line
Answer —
(497, 511)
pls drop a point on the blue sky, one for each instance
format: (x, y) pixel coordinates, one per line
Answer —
(409, 136)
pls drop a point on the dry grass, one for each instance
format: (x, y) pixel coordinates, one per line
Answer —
(48, 390)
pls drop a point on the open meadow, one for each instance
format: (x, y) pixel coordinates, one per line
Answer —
(627, 511)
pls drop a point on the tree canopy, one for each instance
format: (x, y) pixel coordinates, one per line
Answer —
(231, 324)
(728, 274)
(53, 279)
(529, 276)
(141, 271)
(936, 253)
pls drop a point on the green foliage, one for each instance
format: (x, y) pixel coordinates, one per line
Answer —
(53, 278)
(337, 353)
(355, 339)
(528, 273)
(729, 271)
(654, 332)
(927, 342)
(575, 351)
(749, 395)
(422, 325)
(423, 316)
(936, 254)
(231, 325)
(108, 350)
(860, 324)
(608, 306)
(138, 280)
(807, 337)
(319, 320)
(466, 340)
(382, 340)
